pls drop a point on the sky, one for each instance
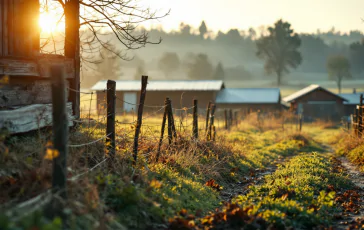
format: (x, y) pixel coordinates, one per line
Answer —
(305, 16)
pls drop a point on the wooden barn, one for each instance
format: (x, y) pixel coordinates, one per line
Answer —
(25, 88)
(352, 100)
(316, 102)
(181, 93)
(250, 99)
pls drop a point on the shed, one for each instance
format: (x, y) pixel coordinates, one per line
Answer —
(352, 100)
(180, 92)
(25, 86)
(315, 101)
(250, 99)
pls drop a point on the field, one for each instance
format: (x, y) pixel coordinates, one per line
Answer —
(262, 173)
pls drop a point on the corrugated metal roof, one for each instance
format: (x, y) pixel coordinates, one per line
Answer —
(248, 96)
(352, 98)
(198, 85)
(307, 90)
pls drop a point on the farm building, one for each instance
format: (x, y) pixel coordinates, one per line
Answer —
(181, 93)
(315, 101)
(249, 99)
(25, 88)
(352, 100)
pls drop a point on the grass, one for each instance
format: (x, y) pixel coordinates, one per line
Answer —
(114, 195)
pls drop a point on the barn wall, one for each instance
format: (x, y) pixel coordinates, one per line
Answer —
(327, 111)
(179, 99)
(19, 28)
(250, 107)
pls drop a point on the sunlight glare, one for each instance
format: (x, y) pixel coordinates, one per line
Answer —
(47, 23)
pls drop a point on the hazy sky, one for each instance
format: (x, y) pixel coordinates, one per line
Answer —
(304, 15)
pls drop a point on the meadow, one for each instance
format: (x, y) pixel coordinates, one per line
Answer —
(259, 174)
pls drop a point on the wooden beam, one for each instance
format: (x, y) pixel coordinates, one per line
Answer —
(28, 118)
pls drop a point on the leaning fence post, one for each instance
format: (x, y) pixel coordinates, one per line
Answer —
(163, 127)
(174, 132)
(212, 117)
(143, 92)
(213, 133)
(110, 125)
(169, 109)
(60, 130)
(356, 121)
(208, 115)
(195, 120)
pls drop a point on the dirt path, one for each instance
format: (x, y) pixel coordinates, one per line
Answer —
(255, 177)
(357, 178)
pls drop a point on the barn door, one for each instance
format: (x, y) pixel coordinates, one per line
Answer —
(130, 101)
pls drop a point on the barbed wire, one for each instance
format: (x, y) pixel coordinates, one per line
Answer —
(89, 143)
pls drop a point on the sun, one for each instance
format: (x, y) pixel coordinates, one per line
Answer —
(47, 22)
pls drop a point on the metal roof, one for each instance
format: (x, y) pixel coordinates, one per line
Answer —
(172, 85)
(307, 90)
(352, 98)
(248, 96)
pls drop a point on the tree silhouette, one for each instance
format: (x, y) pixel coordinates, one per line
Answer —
(356, 53)
(169, 63)
(219, 72)
(199, 67)
(140, 71)
(202, 29)
(338, 68)
(108, 66)
(279, 49)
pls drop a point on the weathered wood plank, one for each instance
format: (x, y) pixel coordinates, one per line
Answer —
(35, 68)
(28, 118)
(25, 93)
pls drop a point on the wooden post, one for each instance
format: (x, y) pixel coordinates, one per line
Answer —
(300, 117)
(208, 115)
(195, 120)
(226, 119)
(174, 132)
(110, 120)
(230, 118)
(236, 118)
(72, 49)
(213, 133)
(60, 130)
(360, 117)
(143, 92)
(212, 117)
(163, 128)
(356, 121)
(169, 111)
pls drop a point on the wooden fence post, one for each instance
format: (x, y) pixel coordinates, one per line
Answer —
(226, 119)
(212, 118)
(356, 121)
(214, 133)
(169, 128)
(360, 117)
(208, 115)
(300, 118)
(143, 92)
(236, 118)
(163, 127)
(60, 130)
(195, 120)
(110, 125)
(230, 118)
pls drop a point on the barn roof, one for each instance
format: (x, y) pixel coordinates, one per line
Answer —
(351, 98)
(306, 91)
(248, 96)
(171, 85)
